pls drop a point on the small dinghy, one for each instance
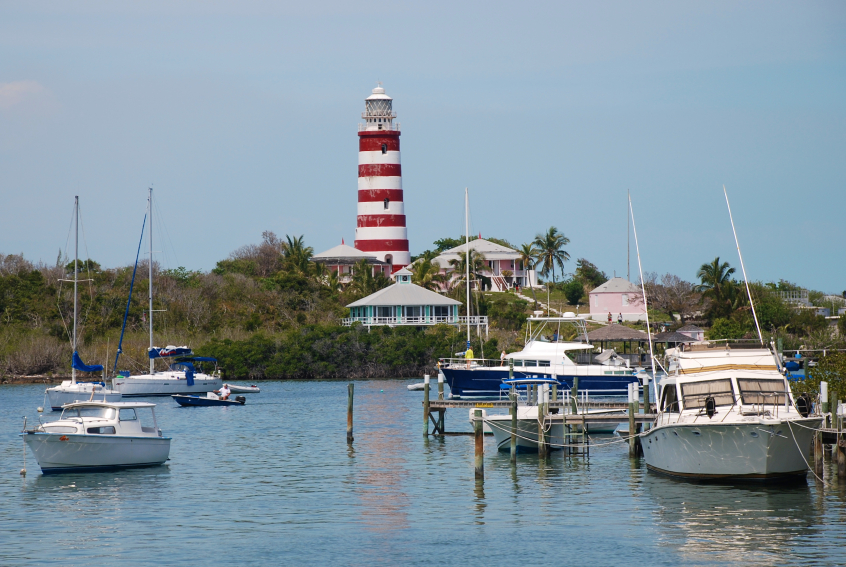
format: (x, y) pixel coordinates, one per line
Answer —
(251, 389)
(211, 399)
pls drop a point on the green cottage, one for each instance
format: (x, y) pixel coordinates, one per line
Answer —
(405, 303)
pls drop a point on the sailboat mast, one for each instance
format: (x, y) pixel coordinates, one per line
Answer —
(467, 256)
(75, 277)
(150, 291)
(628, 241)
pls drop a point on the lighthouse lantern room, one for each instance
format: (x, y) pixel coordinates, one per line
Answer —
(381, 229)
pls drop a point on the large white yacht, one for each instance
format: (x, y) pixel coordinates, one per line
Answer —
(546, 355)
(727, 413)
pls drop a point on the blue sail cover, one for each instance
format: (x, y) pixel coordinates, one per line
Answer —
(168, 351)
(82, 367)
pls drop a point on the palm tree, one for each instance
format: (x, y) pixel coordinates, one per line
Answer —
(717, 285)
(550, 251)
(477, 265)
(527, 253)
(427, 274)
(364, 282)
(296, 253)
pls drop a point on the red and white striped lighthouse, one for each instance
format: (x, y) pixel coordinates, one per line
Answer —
(381, 227)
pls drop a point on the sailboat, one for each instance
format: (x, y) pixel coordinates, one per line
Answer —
(70, 390)
(181, 377)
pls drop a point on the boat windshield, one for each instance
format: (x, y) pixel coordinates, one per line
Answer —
(96, 412)
(694, 394)
(762, 391)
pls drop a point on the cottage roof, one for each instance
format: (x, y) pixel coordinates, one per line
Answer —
(617, 333)
(343, 254)
(690, 329)
(491, 251)
(672, 337)
(404, 294)
(617, 285)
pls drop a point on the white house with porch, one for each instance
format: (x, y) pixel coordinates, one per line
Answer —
(408, 304)
(498, 258)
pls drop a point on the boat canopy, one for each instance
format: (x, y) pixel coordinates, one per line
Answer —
(82, 367)
(168, 351)
(196, 359)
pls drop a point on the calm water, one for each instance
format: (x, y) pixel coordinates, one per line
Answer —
(275, 483)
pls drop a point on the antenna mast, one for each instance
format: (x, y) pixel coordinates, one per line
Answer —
(150, 291)
(75, 277)
(643, 290)
(746, 281)
(467, 256)
(628, 240)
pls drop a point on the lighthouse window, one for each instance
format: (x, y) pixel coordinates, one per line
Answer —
(384, 148)
(387, 203)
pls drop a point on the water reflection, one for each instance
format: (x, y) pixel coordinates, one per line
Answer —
(480, 504)
(719, 523)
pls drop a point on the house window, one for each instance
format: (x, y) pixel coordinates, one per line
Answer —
(384, 311)
(411, 311)
(625, 299)
(441, 310)
(387, 203)
(384, 148)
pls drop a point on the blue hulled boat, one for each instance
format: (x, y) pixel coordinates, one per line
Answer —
(183, 400)
(545, 355)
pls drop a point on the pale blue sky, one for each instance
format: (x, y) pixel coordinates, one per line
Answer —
(244, 117)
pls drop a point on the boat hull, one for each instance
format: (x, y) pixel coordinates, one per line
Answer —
(236, 389)
(165, 384)
(486, 382)
(527, 434)
(60, 453)
(754, 451)
(79, 392)
(197, 401)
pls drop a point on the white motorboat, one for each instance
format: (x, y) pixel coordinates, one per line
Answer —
(251, 389)
(179, 378)
(93, 436)
(70, 390)
(528, 420)
(727, 413)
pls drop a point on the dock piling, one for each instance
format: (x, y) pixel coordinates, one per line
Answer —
(647, 402)
(425, 405)
(480, 444)
(632, 427)
(350, 392)
(513, 411)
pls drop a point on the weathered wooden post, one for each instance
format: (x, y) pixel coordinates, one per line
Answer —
(440, 386)
(541, 420)
(840, 447)
(632, 432)
(511, 369)
(350, 391)
(513, 411)
(647, 402)
(480, 445)
(425, 405)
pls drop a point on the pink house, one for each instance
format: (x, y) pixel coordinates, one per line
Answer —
(617, 296)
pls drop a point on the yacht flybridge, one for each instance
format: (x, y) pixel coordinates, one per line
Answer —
(727, 413)
(546, 355)
(181, 376)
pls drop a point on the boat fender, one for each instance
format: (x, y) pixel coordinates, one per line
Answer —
(241, 399)
(803, 404)
(710, 406)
